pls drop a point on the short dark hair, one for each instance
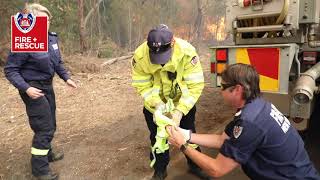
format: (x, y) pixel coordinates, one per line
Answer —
(244, 75)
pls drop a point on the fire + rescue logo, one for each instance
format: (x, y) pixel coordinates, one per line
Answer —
(29, 33)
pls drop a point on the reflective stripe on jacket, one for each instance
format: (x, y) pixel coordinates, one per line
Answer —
(152, 81)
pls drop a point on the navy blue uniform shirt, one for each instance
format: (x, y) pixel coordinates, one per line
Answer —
(23, 67)
(266, 145)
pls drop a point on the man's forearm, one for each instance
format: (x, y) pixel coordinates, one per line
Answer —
(206, 163)
(207, 140)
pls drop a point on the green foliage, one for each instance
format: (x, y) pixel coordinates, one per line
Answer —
(8, 8)
(124, 23)
(127, 22)
(64, 22)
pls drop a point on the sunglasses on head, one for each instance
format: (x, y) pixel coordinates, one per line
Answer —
(159, 49)
(226, 86)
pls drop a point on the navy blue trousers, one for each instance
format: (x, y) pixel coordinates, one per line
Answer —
(42, 120)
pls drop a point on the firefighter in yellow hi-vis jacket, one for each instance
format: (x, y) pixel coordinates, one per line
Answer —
(165, 67)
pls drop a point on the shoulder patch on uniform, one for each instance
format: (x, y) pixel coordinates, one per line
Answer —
(53, 33)
(194, 60)
(55, 46)
(237, 130)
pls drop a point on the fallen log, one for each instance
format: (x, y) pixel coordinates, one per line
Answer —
(113, 60)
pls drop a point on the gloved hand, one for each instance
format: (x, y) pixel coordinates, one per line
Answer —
(186, 134)
(177, 116)
(160, 106)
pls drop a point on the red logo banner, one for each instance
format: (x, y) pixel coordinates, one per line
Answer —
(29, 33)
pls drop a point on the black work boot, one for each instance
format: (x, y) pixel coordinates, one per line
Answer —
(159, 175)
(49, 176)
(55, 156)
(199, 173)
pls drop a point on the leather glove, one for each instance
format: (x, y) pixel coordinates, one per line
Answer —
(186, 134)
(177, 116)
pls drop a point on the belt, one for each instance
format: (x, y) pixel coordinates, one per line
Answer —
(43, 82)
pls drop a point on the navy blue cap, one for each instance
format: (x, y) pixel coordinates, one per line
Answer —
(159, 43)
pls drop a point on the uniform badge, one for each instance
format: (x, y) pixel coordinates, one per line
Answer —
(55, 46)
(237, 130)
(157, 46)
(194, 60)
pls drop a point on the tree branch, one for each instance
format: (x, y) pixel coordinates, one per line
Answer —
(91, 12)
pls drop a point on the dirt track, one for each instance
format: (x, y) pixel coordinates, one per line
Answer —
(101, 127)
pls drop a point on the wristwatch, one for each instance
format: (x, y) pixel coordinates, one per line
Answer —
(183, 147)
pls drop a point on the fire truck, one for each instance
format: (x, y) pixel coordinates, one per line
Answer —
(281, 39)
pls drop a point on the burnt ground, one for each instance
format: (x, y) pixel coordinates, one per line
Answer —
(100, 125)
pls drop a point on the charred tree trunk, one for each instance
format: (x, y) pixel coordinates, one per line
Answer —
(83, 46)
(198, 22)
(129, 28)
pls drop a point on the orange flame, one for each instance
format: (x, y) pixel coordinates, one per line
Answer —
(217, 30)
(211, 30)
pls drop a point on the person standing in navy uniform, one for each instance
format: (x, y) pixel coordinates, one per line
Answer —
(260, 138)
(32, 74)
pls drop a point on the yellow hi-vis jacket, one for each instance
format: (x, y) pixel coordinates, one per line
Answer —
(152, 81)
